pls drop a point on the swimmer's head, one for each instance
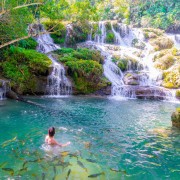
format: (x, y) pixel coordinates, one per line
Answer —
(51, 131)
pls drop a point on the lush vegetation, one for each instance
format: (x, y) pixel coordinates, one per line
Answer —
(85, 68)
(24, 67)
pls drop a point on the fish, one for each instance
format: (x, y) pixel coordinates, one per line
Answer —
(10, 170)
(43, 167)
(81, 165)
(3, 164)
(95, 175)
(91, 160)
(24, 164)
(118, 170)
(54, 168)
(6, 143)
(64, 153)
(36, 160)
(22, 170)
(43, 176)
(68, 174)
(87, 144)
(22, 142)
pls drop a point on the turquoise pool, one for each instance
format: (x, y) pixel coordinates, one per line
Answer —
(110, 139)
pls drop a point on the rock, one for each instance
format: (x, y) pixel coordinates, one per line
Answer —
(178, 94)
(131, 79)
(105, 91)
(175, 28)
(175, 118)
(138, 44)
(12, 95)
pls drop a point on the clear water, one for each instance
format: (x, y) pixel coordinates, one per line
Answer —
(129, 139)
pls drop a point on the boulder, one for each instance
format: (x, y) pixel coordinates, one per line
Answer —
(131, 79)
(175, 118)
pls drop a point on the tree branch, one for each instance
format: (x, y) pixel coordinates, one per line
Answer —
(18, 7)
(26, 37)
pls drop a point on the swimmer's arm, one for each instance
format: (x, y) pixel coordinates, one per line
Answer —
(46, 139)
(59, 144)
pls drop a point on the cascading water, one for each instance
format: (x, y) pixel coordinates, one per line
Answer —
(57, 84)
(140, 68)
(4, 88)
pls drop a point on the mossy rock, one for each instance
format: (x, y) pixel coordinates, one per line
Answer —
(110, 37)
(165, 62)
(175, 118)
(24, 68)
(178, 94)
(84, 66)
(161, 43)
(137, 44)
(171, 78)
(151, 33)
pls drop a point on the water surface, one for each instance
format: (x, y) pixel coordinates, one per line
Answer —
(123, 139)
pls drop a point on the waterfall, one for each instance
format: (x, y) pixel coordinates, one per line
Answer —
(4, 88)
(100, 36)
(140, 78)
(57, 83)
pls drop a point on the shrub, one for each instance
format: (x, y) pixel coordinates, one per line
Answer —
(110, 37)
(28, 43)
(21, 66)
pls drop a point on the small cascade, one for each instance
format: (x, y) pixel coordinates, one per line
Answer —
(57, 83)
(140, 79)
(4, 88)
(176, 39)
(100, 36)
(45, 43)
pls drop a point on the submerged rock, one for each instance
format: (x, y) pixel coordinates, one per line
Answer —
(175, 118)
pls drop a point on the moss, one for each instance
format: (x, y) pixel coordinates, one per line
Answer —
(122, 64)
(80, 53)
(85, 68)
(21, 66)
(171, 79)
(86, 75)
(151, 33)
(161, 43)
(165, 62)
(110, 37)
(178, 94)
(175, 118)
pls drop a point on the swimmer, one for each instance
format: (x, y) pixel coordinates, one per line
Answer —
(50, 138)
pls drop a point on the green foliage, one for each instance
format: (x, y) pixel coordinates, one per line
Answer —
(178, 95)
(122, 64)
(110, 37)
(28, 43)
(84, 67)
(158, 14)
(81, 53)
(21, 66)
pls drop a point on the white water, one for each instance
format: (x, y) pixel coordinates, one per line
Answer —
(57, 83)
(4, 88)
(148, 77)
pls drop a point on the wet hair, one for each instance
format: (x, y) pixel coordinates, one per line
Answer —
(51, 131)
